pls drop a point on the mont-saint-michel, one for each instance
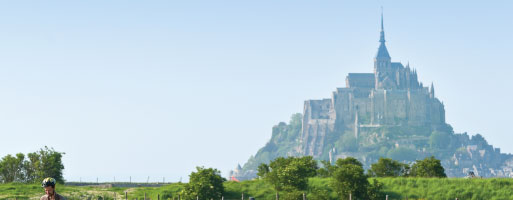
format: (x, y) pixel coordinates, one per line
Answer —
(387, 113)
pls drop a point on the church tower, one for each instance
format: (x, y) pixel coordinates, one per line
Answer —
(382, 61)
(384, 73)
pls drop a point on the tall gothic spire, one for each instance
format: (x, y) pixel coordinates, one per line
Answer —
(382, 50)
(382, 33)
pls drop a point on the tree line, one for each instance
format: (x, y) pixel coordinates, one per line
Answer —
(289, 177)
(33, 167)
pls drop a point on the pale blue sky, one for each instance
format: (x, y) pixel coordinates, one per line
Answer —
(155, 88)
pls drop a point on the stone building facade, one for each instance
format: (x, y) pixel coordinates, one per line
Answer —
(391, 96)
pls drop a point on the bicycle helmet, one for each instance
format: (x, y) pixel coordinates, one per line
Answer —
(48, 182)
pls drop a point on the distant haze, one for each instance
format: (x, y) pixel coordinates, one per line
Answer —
(155, 88)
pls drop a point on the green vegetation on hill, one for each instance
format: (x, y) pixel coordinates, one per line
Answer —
(285, 137)
(319, 188)
(403, 142)
(448, 188)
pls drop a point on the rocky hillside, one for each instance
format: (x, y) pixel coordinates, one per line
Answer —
(460, 153)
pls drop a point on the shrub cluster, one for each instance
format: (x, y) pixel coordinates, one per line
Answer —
(32, 168)
(289, 176)
(386, 167)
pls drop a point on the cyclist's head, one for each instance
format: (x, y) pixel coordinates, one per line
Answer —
(48, 182)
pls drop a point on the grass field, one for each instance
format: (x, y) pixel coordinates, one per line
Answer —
(396, 188)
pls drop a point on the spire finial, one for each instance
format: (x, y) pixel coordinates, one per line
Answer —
(432, 90)
(382, 35)
(382, 29)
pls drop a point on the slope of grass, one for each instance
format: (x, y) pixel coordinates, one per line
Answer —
(396, 188)
(448, 188)
(34, 191)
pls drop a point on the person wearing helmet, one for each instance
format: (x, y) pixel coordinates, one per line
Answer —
(50, 194)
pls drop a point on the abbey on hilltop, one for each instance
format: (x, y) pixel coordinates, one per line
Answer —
(388, 113)
(391, 96)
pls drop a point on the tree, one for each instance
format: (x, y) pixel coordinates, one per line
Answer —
(11, 168)
(289, 174)
(429, 167)
(50, 164)
(326, 170)
(348, 161)
(402, 153)
(347, 142)
(386, 167)
(33, 168)
(439, 140)
(41, 164)
(348, 178)
(374, 191)
(263, 169)
(206, 183)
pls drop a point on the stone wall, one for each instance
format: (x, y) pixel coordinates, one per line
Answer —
(318, 120)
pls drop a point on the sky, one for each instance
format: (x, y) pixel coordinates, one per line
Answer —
(152, 89)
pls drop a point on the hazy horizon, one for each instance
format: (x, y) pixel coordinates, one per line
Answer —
(127, 88)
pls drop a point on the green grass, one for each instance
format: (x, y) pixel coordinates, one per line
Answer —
(396, 188)
(448, 188)
(34, 191)
(435, 188)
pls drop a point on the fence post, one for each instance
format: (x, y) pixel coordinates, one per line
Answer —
(197, 198)
(126, 195)
(243, 196)
(144, 195)
(350, 197)
(158, 196)
(304, 196)
(386, 197)
(277, 196)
